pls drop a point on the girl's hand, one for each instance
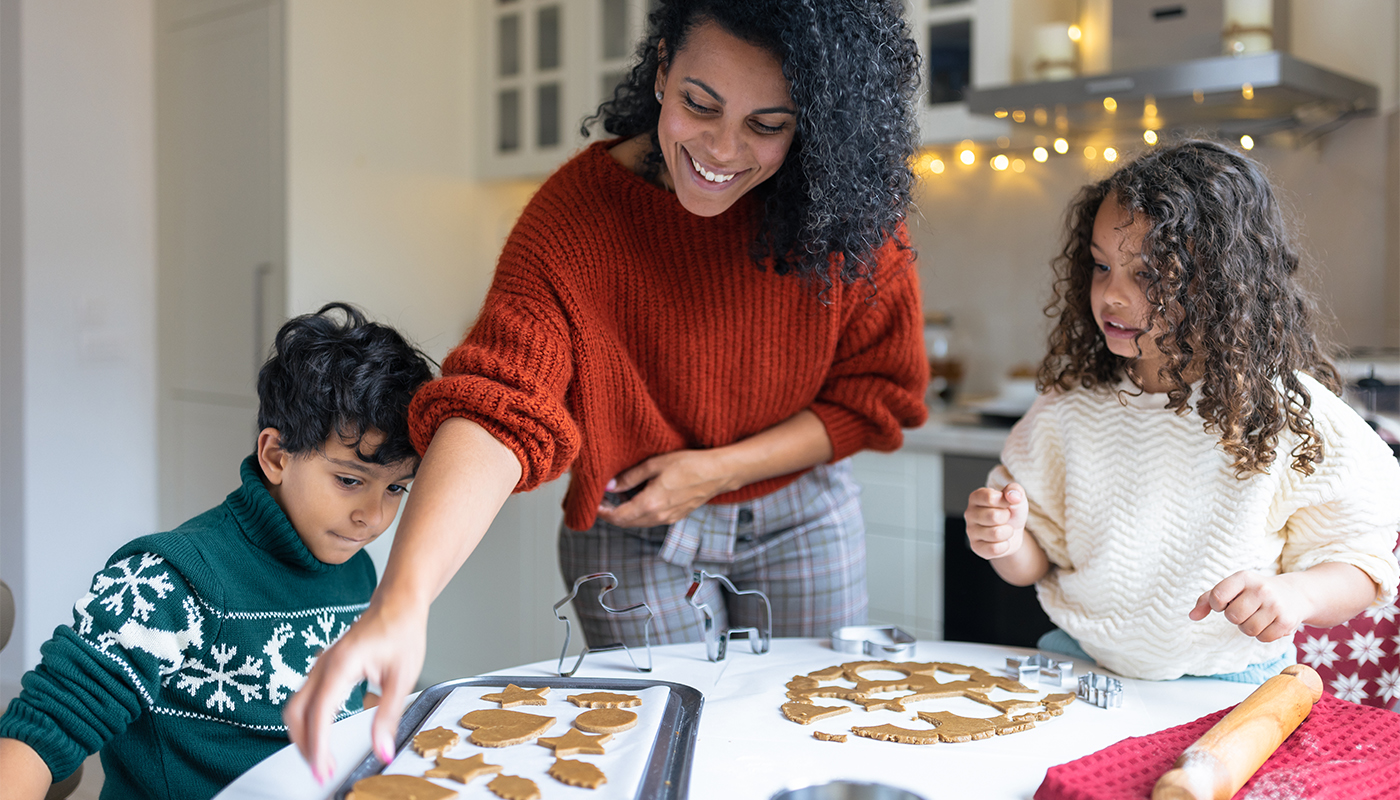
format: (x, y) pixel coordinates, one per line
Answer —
(996, 521)
(677, 483)
(1264, 607)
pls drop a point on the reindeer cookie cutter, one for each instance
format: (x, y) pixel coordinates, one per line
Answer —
(646, 629)
(1040, 669)
(716, 641)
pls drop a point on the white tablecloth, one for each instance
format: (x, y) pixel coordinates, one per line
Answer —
(746, 750)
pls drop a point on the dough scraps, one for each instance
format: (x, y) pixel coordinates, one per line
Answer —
(574, 742)
(894, 733)
(806, 713)
(515, 696)
(398, 787)
(462, 770)
(605, 700)
(955, 728)
(498, 727)
(829, 737)
(606, 720)
(577, 773)
(514, 787)
(435, 742)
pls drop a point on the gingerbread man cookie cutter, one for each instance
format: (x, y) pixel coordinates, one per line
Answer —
(1041, 669)
(646, 630)
(716, 641)
(1100, 690)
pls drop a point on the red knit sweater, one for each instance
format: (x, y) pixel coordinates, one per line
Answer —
(620, 326)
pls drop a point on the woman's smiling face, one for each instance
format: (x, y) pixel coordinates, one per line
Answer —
(727, 119)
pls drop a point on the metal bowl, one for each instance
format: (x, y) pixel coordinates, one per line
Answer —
(847, 790)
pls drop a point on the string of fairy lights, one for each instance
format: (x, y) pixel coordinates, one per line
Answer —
(1040, 148)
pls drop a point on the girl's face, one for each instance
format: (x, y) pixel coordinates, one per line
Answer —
(1117, 295)
(727, 119)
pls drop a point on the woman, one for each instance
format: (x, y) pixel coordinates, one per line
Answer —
(701, 319)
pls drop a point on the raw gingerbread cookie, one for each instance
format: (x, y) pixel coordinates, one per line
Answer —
(1006, 724)
(806, 713)
(498, 727)
(462, 770)
(894, 733)
(435, 742)
(829, 737)
(514, 787)
(515, 696)
(955, 728)
(828, 674)
(574, 742)
(605, 720)
(577, 773)
(605, 700)
(398, 787)
(1020, 709)
(1055, 703)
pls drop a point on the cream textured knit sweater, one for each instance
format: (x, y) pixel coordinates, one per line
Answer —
(1139, 512)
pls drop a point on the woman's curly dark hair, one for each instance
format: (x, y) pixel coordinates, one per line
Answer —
(1224, 301)
(853, 71)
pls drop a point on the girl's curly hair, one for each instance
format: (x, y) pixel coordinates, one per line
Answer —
(853, 70)
(1225, 304)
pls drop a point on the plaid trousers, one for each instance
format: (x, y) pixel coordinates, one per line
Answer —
(803, 546)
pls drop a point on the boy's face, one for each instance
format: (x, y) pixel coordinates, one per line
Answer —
(336, 502)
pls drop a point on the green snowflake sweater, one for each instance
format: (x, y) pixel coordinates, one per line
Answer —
(184, 652)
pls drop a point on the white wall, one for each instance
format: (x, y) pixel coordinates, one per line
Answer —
(383, 210)
(86, 267)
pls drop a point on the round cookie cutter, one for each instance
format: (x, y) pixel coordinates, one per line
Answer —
(883, 642)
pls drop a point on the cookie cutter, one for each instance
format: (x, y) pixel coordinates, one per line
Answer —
(646, 630)
(886, 642)
(1040, 669)
(716, 641)
(1100, 690)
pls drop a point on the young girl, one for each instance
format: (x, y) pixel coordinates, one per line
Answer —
(1189, 488)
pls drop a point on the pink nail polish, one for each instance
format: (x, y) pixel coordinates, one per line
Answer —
(385, 753)
(612, 485)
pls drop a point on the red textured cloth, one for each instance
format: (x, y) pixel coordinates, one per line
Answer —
(1342, 751)
(620, 326)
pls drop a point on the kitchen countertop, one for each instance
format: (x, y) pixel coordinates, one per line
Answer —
(956, 433)
(746, 750)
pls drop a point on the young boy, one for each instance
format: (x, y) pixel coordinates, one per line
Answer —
(182, 655)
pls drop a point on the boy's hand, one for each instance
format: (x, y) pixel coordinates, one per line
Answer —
(1264, 607)
(996, 521)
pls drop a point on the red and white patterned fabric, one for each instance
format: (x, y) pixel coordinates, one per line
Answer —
(1358, 660)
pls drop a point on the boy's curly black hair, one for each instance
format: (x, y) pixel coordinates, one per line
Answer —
(349, 376)
(1222, 287)
(853, 71)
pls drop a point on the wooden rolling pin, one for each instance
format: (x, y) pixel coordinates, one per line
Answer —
(1222, 761)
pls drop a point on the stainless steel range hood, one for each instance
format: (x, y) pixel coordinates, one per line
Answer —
(1230, 95)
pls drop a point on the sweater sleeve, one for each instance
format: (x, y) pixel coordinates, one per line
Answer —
(511, 372)
(1348, 510)
(879, 372)
(134, 628)
(1034, 458)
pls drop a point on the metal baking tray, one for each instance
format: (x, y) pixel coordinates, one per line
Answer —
(667, 772)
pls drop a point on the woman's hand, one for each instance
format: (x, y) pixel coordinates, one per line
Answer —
(1272, 607)
(677, 483)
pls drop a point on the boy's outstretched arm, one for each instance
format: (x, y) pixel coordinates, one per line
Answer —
(27, 777)
(996, 529)
(465, 477)
(1271, 607)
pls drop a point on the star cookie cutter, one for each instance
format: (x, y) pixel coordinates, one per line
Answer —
(1041, 669)
(1100, 690)
(716, 641)
(646, 631)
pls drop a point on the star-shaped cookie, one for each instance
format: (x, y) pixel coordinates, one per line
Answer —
(462, 770)
(575, 742)
(516, 696)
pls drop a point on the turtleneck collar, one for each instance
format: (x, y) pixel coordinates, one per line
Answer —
(265, 524)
